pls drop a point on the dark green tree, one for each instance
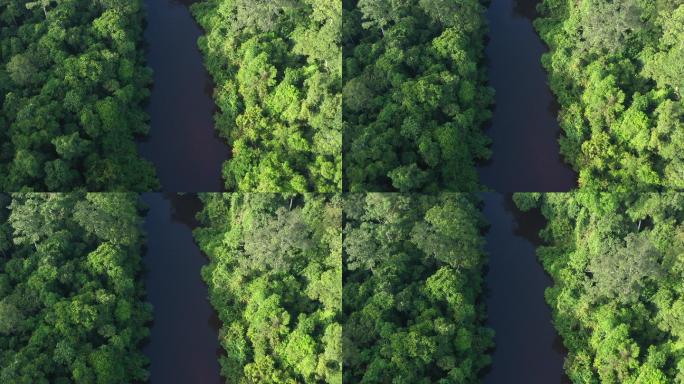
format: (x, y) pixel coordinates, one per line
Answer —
(71, 298)
(72, 93)
(413, 273)
(414, 95)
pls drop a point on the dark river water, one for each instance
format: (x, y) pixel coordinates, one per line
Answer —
(184, 346)
(528, 349)
(182, 143)
(524, 129)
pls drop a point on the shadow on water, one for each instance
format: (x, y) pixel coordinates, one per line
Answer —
(526, 8)
(183, 346)
(528, 349)
(524, 127)
(182, 144)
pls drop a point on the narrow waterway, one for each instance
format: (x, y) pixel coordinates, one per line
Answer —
(524, 128)
(528, 349)
(183, 347)
(182, 143)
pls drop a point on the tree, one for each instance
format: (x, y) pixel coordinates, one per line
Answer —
(279, 95)
(380, 13)
(621, 271)
(10, 317)
(410, 289)
(71, 303)
(74, 87)
(607, 24)
(110, 217)
(274, 243)
(275, 280)
(263, 15)
(107, 366)
(450, 235)
(21, 69)
(667, 66)
(44, 4)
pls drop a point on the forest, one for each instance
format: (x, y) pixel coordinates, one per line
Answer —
(72, 90)
(72, 305)
(342, 252)
(617, 261)
(275, 279)
(396, 301)
(413, 268)
(414, 94)
(617, 69)
(277, 72)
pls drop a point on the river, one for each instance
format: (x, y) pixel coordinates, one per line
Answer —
(184, 346)
(524, 129)
(528, 349)
(182, 143)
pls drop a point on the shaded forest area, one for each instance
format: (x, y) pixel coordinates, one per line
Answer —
(617, 68)
(414, 95)
(617, 261)
(71, 297)
(277, 72)
(72, 89)
(412, 284)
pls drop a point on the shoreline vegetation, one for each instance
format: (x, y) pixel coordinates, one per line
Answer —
(73, 87)
(617, 69)
(324, 269)
(409, 272)
(617, 266)
(277, 72)
(72, 306)
(275, 280)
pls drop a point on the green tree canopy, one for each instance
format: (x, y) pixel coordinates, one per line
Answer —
(71, 299)
(275, 279)
(73, 87)
(412, 283)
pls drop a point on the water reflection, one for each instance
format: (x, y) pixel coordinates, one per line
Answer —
(526, 8)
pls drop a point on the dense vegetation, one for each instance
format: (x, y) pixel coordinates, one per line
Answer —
(71, 307)
(277, 69)
(413, 274)
(72, 88)
(617, 68)
(275, 279)
(617, 261)
(414, 95)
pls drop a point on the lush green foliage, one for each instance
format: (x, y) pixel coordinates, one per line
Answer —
(617, 261)
(275, 278)
(72, 85)
(413, 266)
(414, 95)
(71, 307)
(277, 69)
(617, 68)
